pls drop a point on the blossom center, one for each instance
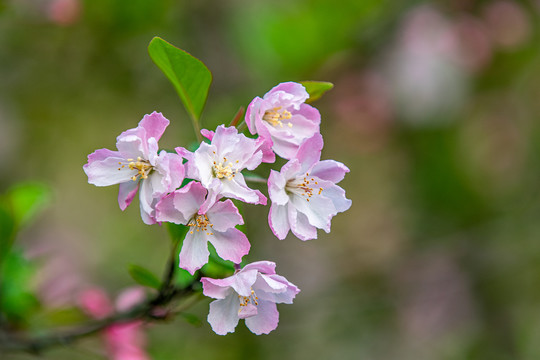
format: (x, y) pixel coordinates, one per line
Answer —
(142, 166)
(305, 186)
(246, 300)
(201, 223)
(224, 169)
(275, 116)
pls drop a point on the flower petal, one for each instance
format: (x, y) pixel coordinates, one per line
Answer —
(103, 167)
(269, 285)
(166, 211)
(224, 215)
(126, 193)
(246, 153)
(147, 202)
(309, 152)
(319, 210)
(236, 188)
(284, 147)
(294, 92)
(279, 221)
(201, 164)
(264, 267)
(171, 168)
(253, 160)
(230, 245)
(337, 195)
(194, 253)
(266, 320)
(217, 288)
(300, 225)
(189, 199)
(287, 294)
(243, 281)
(268, 155)
(329, 170)
(214, 194)
(291, 169)
(225, 140)
(154, 125)
(209, 134)
(131, 144)
(247, 311)
(223, 314)
(276, 188)
(252, 113)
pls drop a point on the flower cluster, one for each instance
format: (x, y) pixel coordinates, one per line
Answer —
(304, 195)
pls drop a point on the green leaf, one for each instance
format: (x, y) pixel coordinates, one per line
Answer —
(177, 232)
(255, 178)
(190, 77)
(17, 300)
(143, 276)
(18, 207)
(216, 266)
(7, 231)
(183, 278)
(316, 89)
(27, 200)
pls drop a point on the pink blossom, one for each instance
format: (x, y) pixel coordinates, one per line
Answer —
(96, 303)
(216, 225)
(124, 341)
(264, 146)
(282, 118)
(218, 166)
(137, 162)
(251, 294)
(304, 193)
(64, 12)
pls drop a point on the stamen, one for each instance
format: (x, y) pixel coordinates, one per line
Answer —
(224, 170)
(303, 187)
(142, 166)
(275, 116)
(200, 223)
(246, 300)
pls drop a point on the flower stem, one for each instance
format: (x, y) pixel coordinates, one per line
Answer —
(196, 128)
(238, 116)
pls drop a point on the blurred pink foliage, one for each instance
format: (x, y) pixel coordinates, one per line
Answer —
(64, 12)
(124, 341)
(508, 24)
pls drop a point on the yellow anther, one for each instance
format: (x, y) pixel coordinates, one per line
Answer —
(142, 166)
(200, 223)
(276, 115)
(245, 300)
(224, 171)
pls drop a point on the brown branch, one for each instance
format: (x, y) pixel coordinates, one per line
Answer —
(145, 311)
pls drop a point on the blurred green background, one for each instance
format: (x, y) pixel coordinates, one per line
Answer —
(435, 110)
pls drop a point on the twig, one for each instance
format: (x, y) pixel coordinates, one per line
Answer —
(238, 116)
(145, 311)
